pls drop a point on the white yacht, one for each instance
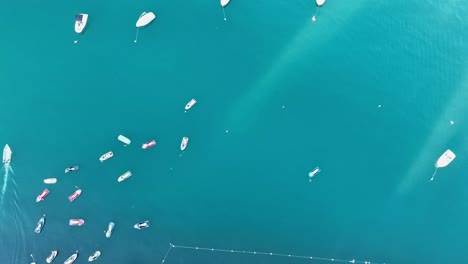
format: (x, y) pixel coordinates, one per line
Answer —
(72, 258)
(141, 225)
(80, 22)
(50, 181)
(94, 256)
(319, 3)
(124, 140)
(110, 227)
(124, 176)
(184, 143)
(190, 104)
(224, 2)
(145, 19)
(106, 156)
(7, 154)
(52, 256)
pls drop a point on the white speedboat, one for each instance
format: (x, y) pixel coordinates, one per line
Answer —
(106, 156)
(124, 176)
(443, 161)
(110, 227)
(94, 256)
(313, 173)
(190, 104)
(145, 19)
(124, 140)
(142, 225)
(224, 2)
(50, 181)
(80, 22)
(40, 225)
(184, 143)
(72, 258)
(319, 3)
(71, 169)
(7, 154)
(52, 256)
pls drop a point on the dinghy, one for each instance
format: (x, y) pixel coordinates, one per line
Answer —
(50, 181)
(145, 19)
(190, 104)
(124, 140)
(443, 161)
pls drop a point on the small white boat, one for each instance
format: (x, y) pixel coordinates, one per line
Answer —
(50, 181)
(313, 173)
(184, 143)
(141, 225)
(72, 258)
(52, 256)
(106, 156)
(319, 3)
(124, 140)
(71, 169)
(7, 154)
(443, 161)
(124, 176)
(94, 256)
(190, 104)
(76, 222)
(145, 19)
(80, 22)
(224, 2)
(110, 227)
(40, 225)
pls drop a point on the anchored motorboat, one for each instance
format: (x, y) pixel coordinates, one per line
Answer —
(443, 161)
(94, 256)
(142, 225)
(50, 181)
(72, 168)
(149, 144)
(124, 140)
(76, 222)
(42, 195)
(7, 154)
(72, 258)
(184, 143)
(74, 195)
(190, 104)
(313, 173)
(124, 176)
(80, 22)
(110, 227)
(106, 156)
(52, 256)
(40, 225)
(145, 19)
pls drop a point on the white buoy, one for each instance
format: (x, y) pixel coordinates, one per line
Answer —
(443, 161)
(224, 3)
(136, 37)
(319, 4)
(451, 122)
(76, 41)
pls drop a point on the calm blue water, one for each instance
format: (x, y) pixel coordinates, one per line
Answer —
(292, 95)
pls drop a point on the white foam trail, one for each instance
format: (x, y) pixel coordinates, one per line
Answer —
(5, 180)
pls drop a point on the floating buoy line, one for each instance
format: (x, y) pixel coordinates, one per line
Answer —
(171, 246)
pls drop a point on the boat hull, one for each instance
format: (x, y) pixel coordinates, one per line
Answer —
(124, 176)
(149, 144)
(94, 256)
(40, 225)
(7, 154)
(145, 19)
(71, 259)
(124, 139)
(190, 104)
(52, 256)
(76, 222)
(42, 195)
(142, 225)
(81, 20)
(50, 181)
(184, 143)
(224, 2)
(74, 195)
(106, 156)
(319, 3)
(109, 230)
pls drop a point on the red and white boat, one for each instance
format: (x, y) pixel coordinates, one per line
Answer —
(149, 144)
(74, 195)
(42, 196)
(76, 222)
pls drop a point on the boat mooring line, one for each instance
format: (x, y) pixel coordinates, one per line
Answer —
(265, 253)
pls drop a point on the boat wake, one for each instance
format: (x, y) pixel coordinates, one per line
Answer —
(7, 168)
(13, 242)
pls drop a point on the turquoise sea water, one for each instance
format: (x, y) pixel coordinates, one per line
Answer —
(65, 104)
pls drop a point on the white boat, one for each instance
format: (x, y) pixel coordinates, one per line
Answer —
(80, 22)
(124, 140)
(110, 227)
(71, 169)
(224, 2)
(94, 256)
(313, 173)
(184, 143)
(76, 222)
(124, 176)
(50, 181)
(52, 256)
(444, 160)
(72, 258)
(106, 156)
(7, 154)
(149, 144)
(40, 225)
(145, 19)
(190, 104)
(319, 3)
(141, 225)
